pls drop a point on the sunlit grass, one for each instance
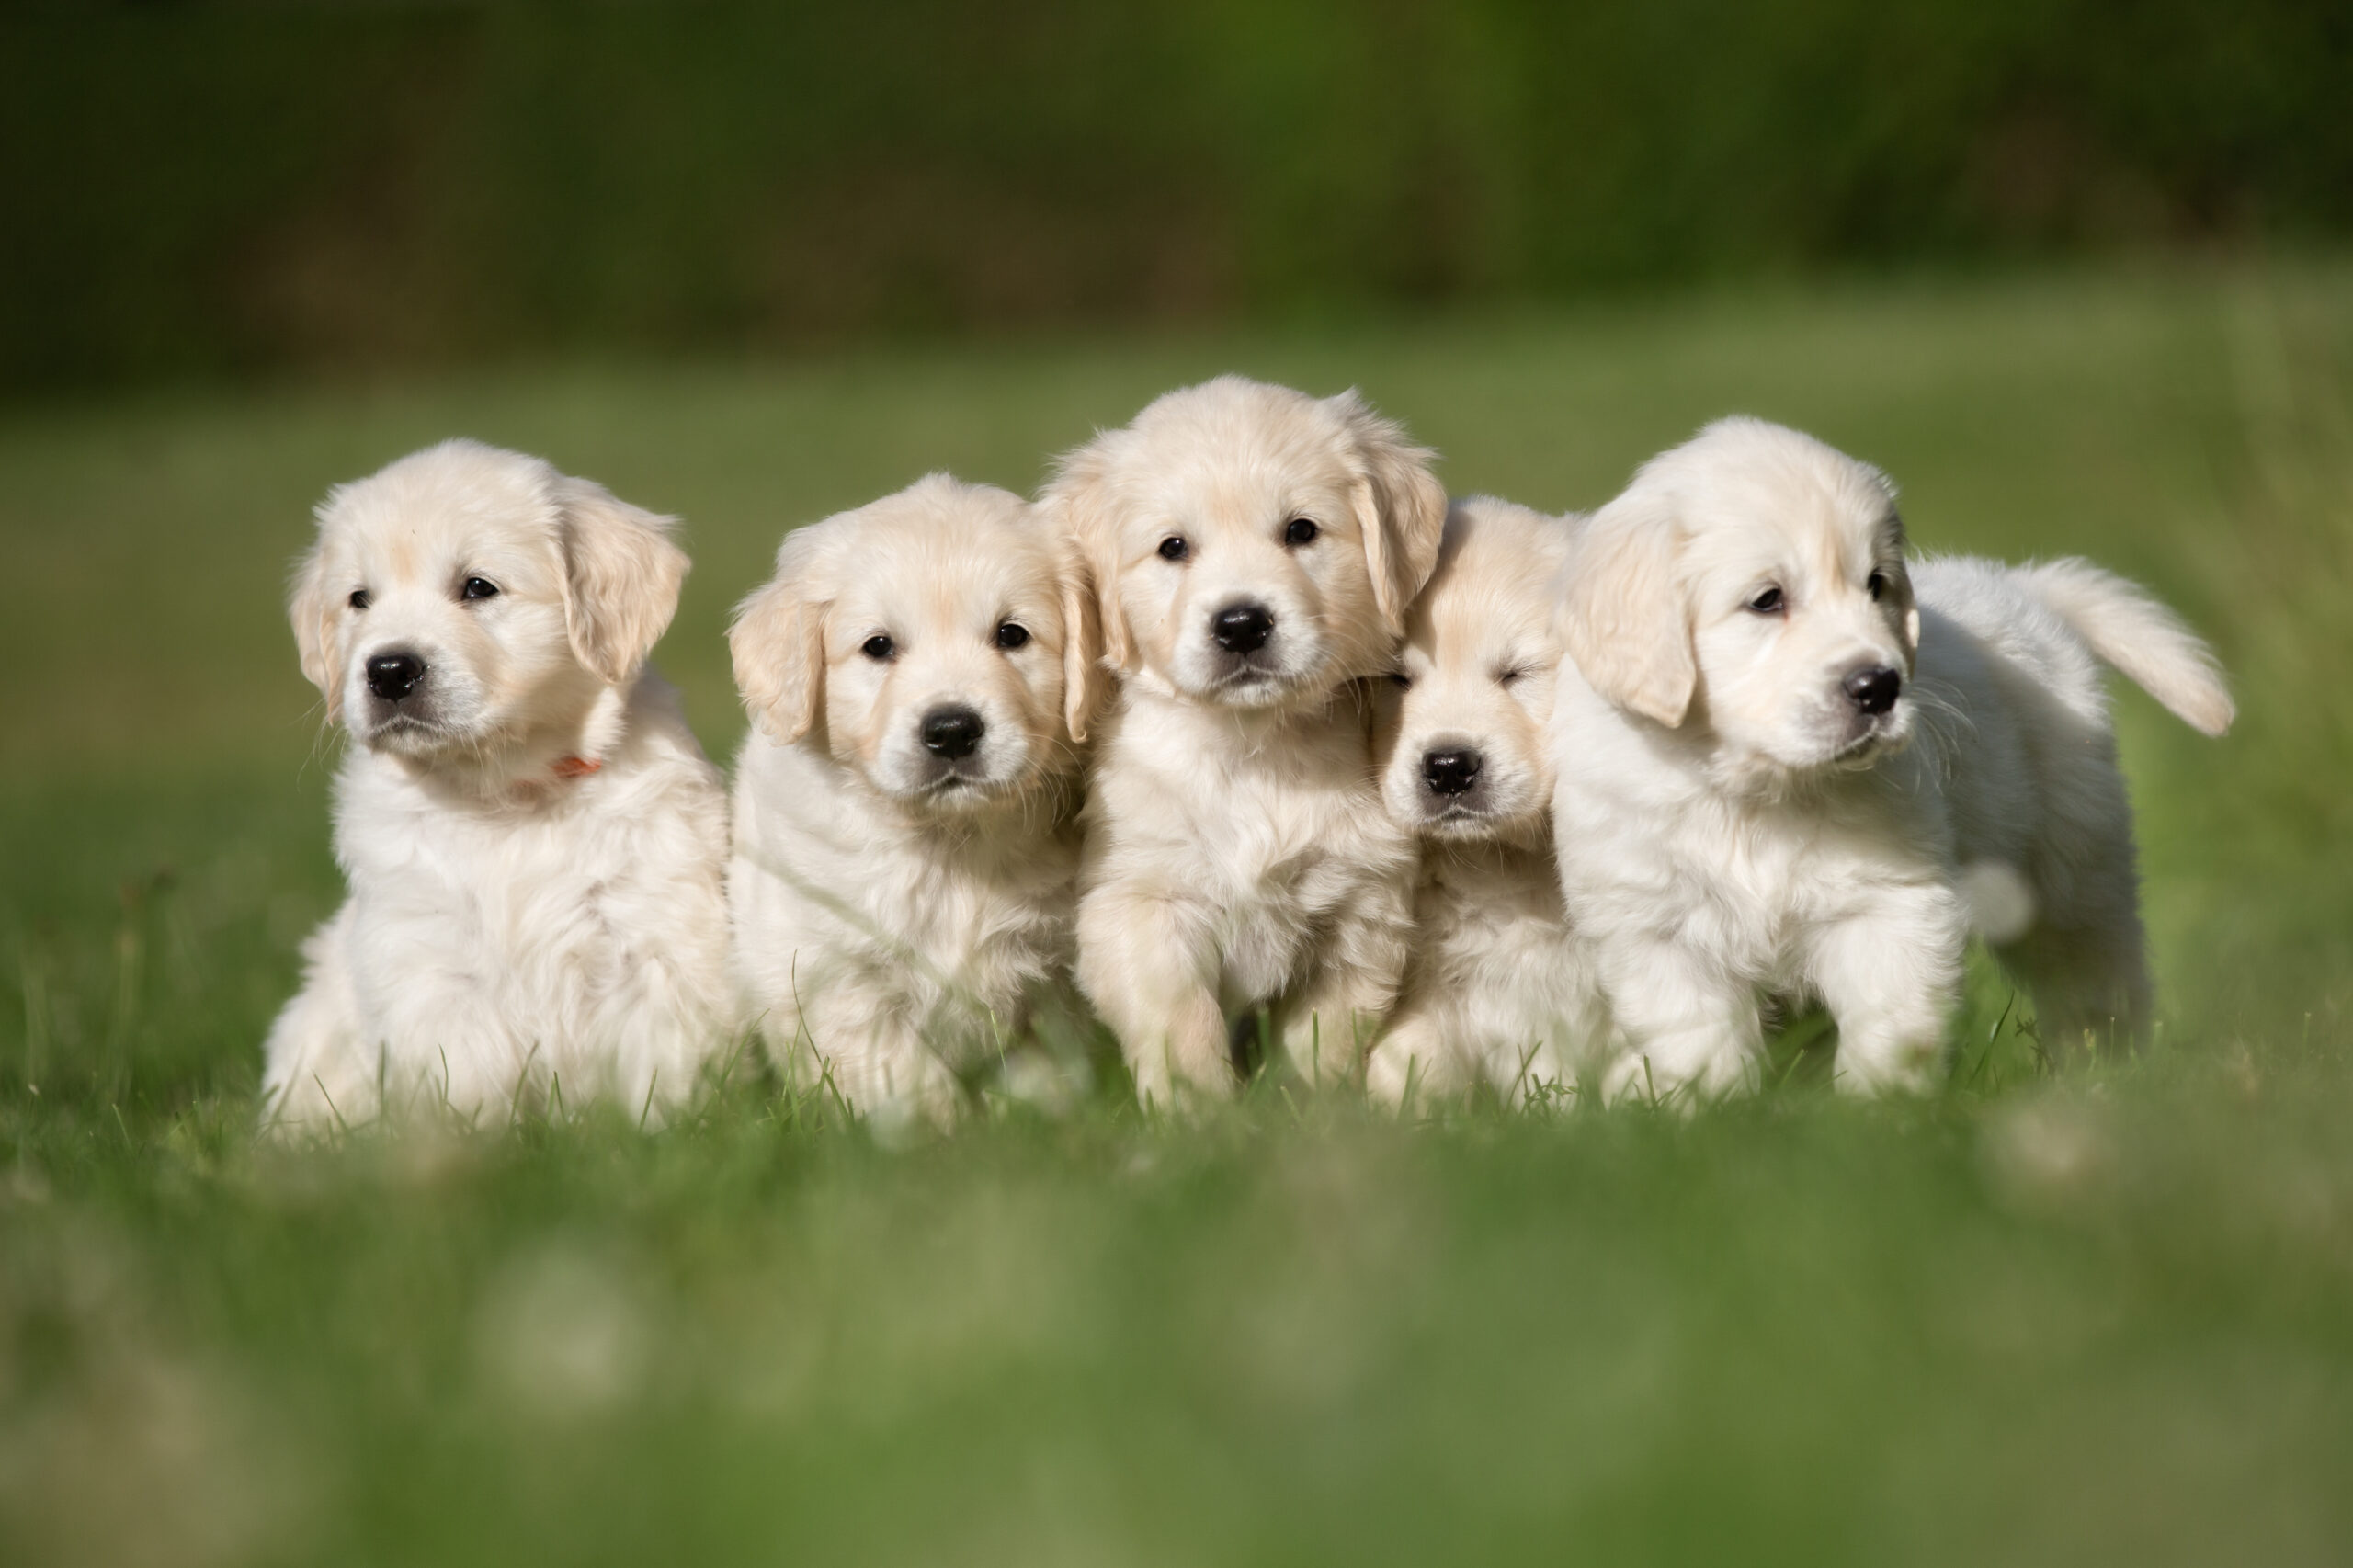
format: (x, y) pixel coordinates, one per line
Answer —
(2103, 1313)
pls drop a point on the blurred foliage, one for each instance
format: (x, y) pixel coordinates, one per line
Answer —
(194, 190)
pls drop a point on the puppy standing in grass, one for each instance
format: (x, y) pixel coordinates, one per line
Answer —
(1500, 992)
(535, 843)
(1253, 550)
(919, 671)
(1782, 772)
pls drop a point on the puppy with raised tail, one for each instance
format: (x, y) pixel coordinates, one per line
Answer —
(920, 673)
(1792, 765)
(535, 843)
(1500, 992)
(1253, 550)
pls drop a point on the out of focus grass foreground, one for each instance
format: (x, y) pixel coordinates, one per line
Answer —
(2104, 1315)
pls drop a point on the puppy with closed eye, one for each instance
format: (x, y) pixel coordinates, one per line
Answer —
(1500, 992)
(920, 673)
(535, 843)
(1253, 550)
(1793, 765)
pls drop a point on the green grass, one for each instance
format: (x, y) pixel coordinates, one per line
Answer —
(2104, 1317)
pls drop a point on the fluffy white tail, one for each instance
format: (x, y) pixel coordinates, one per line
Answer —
(2141, 637)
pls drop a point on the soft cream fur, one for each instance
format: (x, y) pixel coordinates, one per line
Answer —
(1236, 853)
(895, 910)
(1500, 992)
(513, 934)
(1731, 825)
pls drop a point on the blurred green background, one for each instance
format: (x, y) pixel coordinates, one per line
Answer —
(2077, 274)
(194, 190)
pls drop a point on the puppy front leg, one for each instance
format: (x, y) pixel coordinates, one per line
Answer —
(1413, 1060)
(1889, 977)
(1149, 964)
(668, 1027)
(1690, 1029)
(318, 1075)
(865, 1042)
(1330, 1023)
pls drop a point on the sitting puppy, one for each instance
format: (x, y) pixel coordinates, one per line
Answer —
(1782, 772)
(919, 670)
(1253, 550)
(1499, 992)
(535, 843)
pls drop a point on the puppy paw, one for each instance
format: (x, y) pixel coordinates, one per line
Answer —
(1913, 1068)
(1677, 1081)
(1168, 1087)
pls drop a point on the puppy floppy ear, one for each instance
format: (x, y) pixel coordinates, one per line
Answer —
(1086, 685)
(311, 606)
(1623, 618)
(1901, 583)
(1077, 506)
(621, 576)
(1400, 508)
(778, 640)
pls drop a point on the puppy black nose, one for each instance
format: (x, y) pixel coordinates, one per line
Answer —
(393, 676)
(952, 731)
(1874, 689)
(1242, 628)
(1451, 772)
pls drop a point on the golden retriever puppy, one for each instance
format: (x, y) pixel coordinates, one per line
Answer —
(1254, 551)
(1499, 992)
(1791, 764)
(535, 843)
(919, 672)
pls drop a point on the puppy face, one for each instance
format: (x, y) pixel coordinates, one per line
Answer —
(936, 643)
(1460, 738)
(1759, 574)
(464, 597)
(1251, 546)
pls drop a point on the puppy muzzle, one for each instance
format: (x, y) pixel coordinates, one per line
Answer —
(957, 758)
(1456, 789)
(1248, 657)
(1868, 716)
(404, 707)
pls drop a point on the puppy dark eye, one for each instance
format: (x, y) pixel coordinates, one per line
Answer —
(879, 648)
(360, 599)
(1400, 680)
(1302, 530)
(478, 588)
(1769, 602)
(1505, 677)
(1174, 547)
(1012, 634)
(1876, 583)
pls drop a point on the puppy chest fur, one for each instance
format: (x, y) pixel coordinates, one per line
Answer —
(1500, 992)
(858, 933)
(568, 940)
(1260, 845)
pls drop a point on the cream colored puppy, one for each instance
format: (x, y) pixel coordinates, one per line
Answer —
(1500, 992)
(1253, 550)
(918, 670)
(1792, 765)
(535, 843)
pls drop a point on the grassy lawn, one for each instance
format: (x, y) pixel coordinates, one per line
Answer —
(2102, 1317)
